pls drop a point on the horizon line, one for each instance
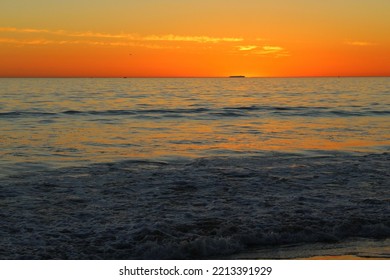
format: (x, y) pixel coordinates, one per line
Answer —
(188, 77)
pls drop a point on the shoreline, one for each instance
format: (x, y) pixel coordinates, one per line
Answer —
(341, 258)
(351, 249)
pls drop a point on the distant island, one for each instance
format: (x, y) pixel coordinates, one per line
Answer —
(236, 76)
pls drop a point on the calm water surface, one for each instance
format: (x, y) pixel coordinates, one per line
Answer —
(66, 122)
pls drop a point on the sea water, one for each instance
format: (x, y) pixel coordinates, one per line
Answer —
(192, 168)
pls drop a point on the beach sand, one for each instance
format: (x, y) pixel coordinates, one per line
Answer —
(342, 257)
(353, 249)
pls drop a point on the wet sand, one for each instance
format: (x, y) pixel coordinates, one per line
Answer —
(352, 249)
(342, 257)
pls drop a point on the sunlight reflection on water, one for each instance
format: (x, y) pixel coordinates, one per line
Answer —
(67, 121)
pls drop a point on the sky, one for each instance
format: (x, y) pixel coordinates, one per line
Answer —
(177, 38)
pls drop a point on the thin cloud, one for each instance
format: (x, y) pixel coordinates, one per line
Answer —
(42, 42)
(99, 35)
(8, 41)
(360, 43)
(267, 50)
(197, 39)
(23, 30)
(272, 50)
(65, 33)
(247, 48)
(28, 42)
(125, 36)
(129, 44)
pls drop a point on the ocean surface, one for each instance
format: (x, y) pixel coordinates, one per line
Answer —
(194, 168)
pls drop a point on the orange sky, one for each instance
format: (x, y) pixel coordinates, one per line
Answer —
(194, 38)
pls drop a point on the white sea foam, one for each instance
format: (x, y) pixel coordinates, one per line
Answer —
(201, 208)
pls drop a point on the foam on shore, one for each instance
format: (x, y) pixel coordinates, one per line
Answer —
(192, 209)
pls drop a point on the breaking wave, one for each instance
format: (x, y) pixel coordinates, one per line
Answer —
(192, 209)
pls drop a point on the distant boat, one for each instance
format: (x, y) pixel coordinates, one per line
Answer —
(236, 76)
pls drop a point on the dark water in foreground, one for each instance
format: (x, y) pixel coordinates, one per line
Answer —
(192, 168)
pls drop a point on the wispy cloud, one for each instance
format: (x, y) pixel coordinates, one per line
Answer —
(276, 51)
(42, 42)
(64, 37)
(247, 48)
(197, 39)
(28, 42)
(124, 36)
(99, 35)
(360, 43)
(23, 30)
(8, 41)
(64, 33)
(267, 50)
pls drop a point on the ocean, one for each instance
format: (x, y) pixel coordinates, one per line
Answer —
(194, 168)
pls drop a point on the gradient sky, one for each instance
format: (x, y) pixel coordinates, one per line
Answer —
(194, 38)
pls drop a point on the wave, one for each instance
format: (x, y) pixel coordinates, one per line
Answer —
(192, 209)
(313, 111)
(25, 114)
(202, 112)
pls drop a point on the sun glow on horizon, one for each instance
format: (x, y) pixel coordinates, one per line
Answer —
(194, 38)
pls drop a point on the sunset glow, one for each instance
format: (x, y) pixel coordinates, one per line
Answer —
(173, 38)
